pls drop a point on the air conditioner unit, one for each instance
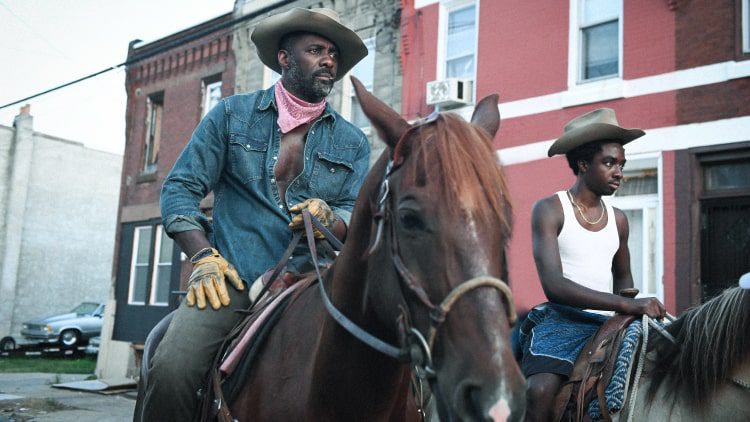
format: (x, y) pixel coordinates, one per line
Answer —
(449, 92)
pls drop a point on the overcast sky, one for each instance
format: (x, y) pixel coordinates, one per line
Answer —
(45, 43)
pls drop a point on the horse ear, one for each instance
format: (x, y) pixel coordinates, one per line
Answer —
(389, 124)
(486, 115)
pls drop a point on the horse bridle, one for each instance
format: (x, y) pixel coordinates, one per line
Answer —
(418, 349)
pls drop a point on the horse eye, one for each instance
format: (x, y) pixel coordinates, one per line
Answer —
(410, 220)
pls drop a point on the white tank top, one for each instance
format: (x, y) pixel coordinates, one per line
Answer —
(586, 256)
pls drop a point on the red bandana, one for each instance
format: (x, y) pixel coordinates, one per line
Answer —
(294, 112)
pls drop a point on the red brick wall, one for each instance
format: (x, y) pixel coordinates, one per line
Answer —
(648, 111)
(705, 31)
(669, 232)
(648, 45)
(523, 48)
(178, 73)
(419, 65)
(714, 102)
(528, 183)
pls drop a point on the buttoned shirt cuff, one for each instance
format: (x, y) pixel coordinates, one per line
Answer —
(181, 223)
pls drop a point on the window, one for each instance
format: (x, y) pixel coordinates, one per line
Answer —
(269, 77)
(599, 38)
(154, 112)
(746, 26)
(461, 41)
(211, 93)
(150, 273)
(365, 72)
(726, 175)
(638, 199)
(162, 272)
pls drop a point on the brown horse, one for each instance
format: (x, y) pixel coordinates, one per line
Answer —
(705, 374)
(418, 280)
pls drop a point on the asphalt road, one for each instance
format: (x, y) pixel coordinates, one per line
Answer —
(29, 397)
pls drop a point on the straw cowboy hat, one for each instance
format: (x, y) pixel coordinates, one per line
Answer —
(598, 125)
(321, 21)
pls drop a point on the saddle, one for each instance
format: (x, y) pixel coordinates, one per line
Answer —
(241, 346)
(278, 289)
(592, 372)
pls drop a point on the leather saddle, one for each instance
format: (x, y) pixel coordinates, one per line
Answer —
(593, 370)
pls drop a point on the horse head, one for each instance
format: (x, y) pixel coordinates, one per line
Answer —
(709, 357)
(438, 218)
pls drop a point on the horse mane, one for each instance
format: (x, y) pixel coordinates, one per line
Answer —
(712, 340)
(461, 156)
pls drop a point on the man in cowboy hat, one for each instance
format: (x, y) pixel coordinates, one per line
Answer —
(266, 155)
(581, 252)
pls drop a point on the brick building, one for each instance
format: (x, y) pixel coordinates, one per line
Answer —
(171, 83)
(676, 68)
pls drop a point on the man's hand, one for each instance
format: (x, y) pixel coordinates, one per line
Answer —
(318, 209)
(207, 279)
(647, 305)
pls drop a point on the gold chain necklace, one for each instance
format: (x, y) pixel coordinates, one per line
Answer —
(580, 211)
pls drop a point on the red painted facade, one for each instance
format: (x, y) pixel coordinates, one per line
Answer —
(522, 51)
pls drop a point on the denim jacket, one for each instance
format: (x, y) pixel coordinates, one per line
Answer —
(233, 152)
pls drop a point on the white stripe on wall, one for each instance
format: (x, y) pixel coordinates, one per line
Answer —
(611, 89)
(670, 138)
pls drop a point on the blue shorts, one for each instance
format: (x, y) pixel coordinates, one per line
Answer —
(552, 336)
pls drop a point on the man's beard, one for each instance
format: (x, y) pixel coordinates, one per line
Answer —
(309, 86)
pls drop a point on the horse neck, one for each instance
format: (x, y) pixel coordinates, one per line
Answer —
(347, 277)
(346, 285)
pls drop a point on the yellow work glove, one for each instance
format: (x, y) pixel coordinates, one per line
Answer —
(318, 209)
(207, 279)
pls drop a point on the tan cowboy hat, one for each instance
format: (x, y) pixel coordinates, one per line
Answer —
(321, 21)
(598, 125)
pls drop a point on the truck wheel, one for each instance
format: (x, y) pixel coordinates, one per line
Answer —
(7, 344)
(70, 338)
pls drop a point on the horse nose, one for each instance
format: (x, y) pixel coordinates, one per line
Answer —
(469, 402)
(473, 403)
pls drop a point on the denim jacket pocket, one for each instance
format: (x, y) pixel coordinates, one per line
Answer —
(247, 157)
(330, 174)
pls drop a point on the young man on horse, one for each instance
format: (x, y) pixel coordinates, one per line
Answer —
(581, 253)
(266, 155)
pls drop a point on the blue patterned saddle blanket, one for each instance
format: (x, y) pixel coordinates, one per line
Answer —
(615, 392)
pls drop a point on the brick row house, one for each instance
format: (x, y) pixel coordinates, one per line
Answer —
(679, 69)
(171, 83)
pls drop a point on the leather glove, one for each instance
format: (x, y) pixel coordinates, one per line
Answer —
(207, 279)
(318, 209)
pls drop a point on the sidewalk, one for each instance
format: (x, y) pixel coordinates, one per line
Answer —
(28, 397)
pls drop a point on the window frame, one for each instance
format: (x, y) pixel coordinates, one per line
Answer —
(269, 77)
(446, 8)
(206, 85)
(639, 164)
(157, 266)
(154, 123)
(348, 93)
(153, 265)
(134, 264)
(575, 47)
